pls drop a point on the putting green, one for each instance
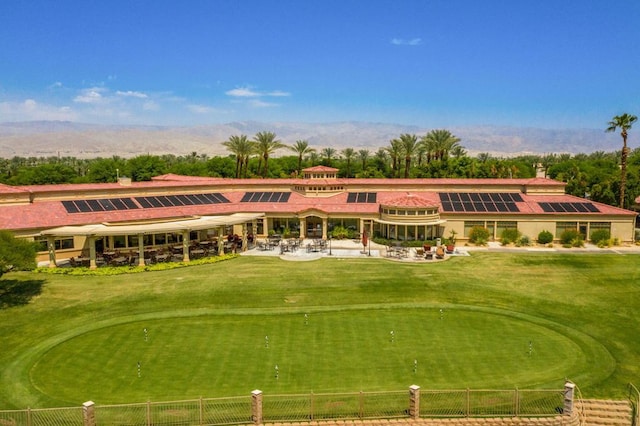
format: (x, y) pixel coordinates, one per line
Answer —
(192, 354)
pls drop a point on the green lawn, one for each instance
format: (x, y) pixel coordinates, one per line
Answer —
(508, 320)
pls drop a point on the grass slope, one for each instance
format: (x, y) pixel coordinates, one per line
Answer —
(82, 337)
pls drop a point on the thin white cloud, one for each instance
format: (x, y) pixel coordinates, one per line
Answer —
(257, 103)
(201, 109)
(405, 42)
(56, 85)
(242, 92)
(92, 95)
(132, 94)
(30, 109)
(248, 92)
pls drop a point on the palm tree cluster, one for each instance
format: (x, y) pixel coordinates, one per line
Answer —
(434, 146)
(264, 144)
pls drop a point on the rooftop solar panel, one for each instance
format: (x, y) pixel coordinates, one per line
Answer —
(181, 200)
(467, 206)
(475, 197)
(485, 197)
(569, 207)
(502, 207)
(129, 203)
(82, 206)
(94, 205)
(495, 197)
(517, 197)
(444, 197)
(447, 206)
(119, 204)
(351, 198)
(591, 207)
(546, 207)
(264, 197)
(454, 196)
(464, 197)
(512, 207)
(480, 206)
(285, 197)
(212, 198)
(491, 207)
(70, 207)
(457, 206)
(106, 204)
(245, 198)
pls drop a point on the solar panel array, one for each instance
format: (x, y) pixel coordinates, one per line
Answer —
(101, 205)
(111, 204)
(504, 202)
(181, 200)
(362, 197)
(569, 207)
(265, 197)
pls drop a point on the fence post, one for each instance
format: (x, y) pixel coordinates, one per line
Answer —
(312, 407)
(149, 413)
(29, 416)
(468, 403)
(89, 413)
(517, 403)
(414, 402)
(201, 412)
(256, 406)
(569, 389)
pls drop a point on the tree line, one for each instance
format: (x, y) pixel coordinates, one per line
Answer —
(608, 177)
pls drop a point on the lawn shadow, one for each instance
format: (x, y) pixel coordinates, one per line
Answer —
(18, 292)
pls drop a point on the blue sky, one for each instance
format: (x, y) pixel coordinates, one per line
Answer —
(432, 63)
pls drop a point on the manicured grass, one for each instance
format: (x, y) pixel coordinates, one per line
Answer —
(81, 338)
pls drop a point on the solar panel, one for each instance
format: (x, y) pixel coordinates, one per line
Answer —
(468, 206)
(454, 196)
(94, 205)
(444, 197)
(480, 206)
(83, 206)
(512, 207)
(464, 197)
(485, 197)
(285, 197)
(164, 201)
(212, 199)
(106, 204)
(190, 200)
(495, 197)
(475, 197)
(457, 206)
(245, 198)
(516, 197)
(546, 207)
(70, 207)
(491, 207)
(569, 207)
(264, 197)
(447, 206)
(119, 204)
(129, 203)
(362, 197)
(502, 207)
(591, 207)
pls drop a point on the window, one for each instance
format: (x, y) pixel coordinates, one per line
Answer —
(501, 226)
(58, 244)
(470, 224)
(563, 226)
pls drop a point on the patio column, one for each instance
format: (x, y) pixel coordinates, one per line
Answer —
(244, 237)
(265, 229)
(324, 228)
(220, 240)
(303, 227)
(92, 251)
(140, 250)
(185, 246)
(51, 247)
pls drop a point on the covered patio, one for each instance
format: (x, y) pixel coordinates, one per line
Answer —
(183, 226)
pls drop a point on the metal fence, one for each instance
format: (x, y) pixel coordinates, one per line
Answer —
(302, 408)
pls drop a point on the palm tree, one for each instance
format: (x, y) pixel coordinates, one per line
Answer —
(266, 144)
(241, 148)
(363, 156)
(302, 148)
(395, 151)
(409, 147)
(328, 153)
(439, 143)
(348, 154)
(624, 123)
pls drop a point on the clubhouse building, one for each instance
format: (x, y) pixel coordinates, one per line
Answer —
(172, 210)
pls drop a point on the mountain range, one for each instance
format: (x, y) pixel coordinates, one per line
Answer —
(83, 140)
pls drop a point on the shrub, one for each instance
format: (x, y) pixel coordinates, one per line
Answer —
(600, 235)
(568, 236)
(545, 237)
(509, 236)
(523, 241)
(479, 235)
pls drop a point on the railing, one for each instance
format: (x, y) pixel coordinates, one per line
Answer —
(302, 408)
(634, 398)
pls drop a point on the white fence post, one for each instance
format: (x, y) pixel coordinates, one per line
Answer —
(256, 406)
(569, 389)
(89, 413)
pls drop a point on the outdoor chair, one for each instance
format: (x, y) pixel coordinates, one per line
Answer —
(419, 253)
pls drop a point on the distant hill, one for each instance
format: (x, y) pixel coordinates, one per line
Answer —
(82, 140)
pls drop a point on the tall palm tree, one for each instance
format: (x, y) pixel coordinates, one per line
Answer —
(440, 143)
(240, 147)
(302, 148)
(348, 154)
(266, 144)
(328, 153)
(363, 156)
(624, 123)
(409, 147)
(395, 151)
